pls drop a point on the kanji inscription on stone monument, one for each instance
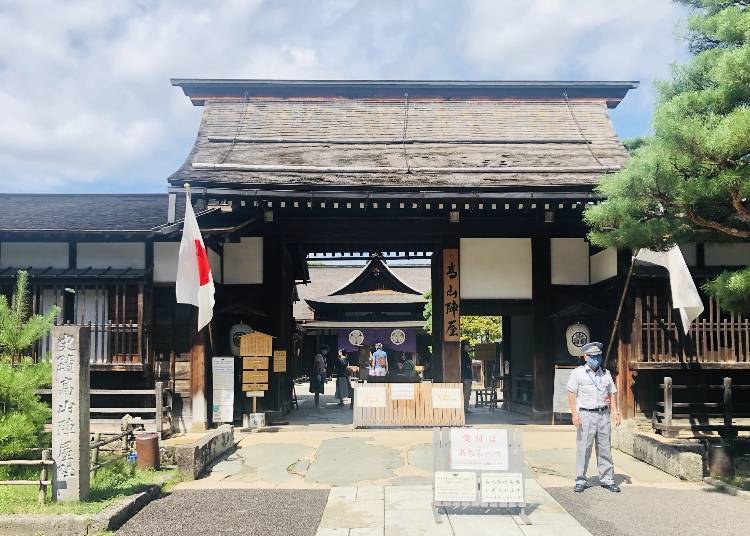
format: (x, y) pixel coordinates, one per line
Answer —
(70, 412)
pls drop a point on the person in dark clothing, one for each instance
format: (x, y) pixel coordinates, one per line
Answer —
(318, 377)
(466, 373)
(343, 386)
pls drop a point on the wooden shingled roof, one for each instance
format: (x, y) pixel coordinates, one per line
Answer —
(284, 137)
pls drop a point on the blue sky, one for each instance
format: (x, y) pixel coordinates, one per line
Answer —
(87, 104)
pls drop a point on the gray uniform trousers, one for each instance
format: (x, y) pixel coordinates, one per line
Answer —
(595, 426)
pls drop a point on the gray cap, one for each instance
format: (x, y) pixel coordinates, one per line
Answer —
(592, 348)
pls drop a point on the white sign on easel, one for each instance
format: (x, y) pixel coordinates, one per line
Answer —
(478, 467)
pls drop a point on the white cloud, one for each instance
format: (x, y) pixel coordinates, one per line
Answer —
(84, 84)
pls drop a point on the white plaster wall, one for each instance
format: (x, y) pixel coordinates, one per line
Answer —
(603, 265)
(165, 261)
(495, 268)
(243, 262)
(570, 261)
(727, 254)
(34, 255)
(214, 259)
(690, 252)
(111, 255)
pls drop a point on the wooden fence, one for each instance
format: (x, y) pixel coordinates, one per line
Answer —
(46, 462)
(717, 336)
(44, 477)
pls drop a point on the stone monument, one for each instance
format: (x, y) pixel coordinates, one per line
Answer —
(70, 412)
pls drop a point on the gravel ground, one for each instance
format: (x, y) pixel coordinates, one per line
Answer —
(656, 511)
(230, 512)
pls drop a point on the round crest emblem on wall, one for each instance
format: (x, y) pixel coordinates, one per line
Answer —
(356, 337)
(398, 337)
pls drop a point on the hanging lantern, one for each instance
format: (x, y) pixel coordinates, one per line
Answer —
(576, 337)
(235, 332)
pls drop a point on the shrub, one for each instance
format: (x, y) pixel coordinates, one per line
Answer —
(22, 414)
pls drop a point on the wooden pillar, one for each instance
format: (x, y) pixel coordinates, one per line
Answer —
(437, 315)
(198, 381)
(541, 289)
(451, 295)
(277, 297)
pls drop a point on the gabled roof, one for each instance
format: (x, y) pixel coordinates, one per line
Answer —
(376, 275)
(326, 279)
(368, 135)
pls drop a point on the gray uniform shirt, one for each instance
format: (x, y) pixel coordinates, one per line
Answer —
(592, 389)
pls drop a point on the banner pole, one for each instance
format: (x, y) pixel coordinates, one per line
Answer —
(619, 308)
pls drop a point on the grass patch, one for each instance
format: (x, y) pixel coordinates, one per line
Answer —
(111, 484)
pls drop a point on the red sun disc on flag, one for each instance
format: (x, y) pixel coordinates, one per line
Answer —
(204, 269)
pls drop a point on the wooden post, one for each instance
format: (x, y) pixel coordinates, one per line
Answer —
(198, 379)
(43, 477)
(727, 405)
(159, 393)
(668, 407)
(95, 455)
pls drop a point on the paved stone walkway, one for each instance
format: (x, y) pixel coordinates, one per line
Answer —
(379, 483)
(407, 511)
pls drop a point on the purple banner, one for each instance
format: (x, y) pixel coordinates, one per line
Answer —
(393, 339)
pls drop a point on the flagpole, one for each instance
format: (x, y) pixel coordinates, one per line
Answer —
(619, 308)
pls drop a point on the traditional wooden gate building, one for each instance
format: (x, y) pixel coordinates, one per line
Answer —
(486, 179)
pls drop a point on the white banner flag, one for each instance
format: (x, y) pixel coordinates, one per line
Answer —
(685, 296)
(195, 284)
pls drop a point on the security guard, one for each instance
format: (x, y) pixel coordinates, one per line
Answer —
(590, 395)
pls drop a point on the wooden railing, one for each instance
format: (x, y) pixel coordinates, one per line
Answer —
(44, 477)
(696, 407)
(125, 438)
(161, 409)
(112, 344)
(717, 336)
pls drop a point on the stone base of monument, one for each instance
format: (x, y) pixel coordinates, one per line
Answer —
(253, 420)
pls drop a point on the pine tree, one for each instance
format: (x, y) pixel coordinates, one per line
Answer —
(690, 181)
(18, 329)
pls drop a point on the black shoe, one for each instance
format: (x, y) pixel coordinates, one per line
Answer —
(579, 488)
(614, 488)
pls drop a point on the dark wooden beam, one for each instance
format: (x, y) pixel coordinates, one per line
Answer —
(543, 367)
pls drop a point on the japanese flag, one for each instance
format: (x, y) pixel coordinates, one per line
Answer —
(685, 296)
(195, 285)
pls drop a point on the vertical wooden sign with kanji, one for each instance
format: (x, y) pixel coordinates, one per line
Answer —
(451, 296)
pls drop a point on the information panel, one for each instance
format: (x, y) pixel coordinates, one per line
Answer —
(447, 397)
(502, 487)
(402, 391)
(223, 389)
(479, 449)
(370, 396)
(455, 486)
